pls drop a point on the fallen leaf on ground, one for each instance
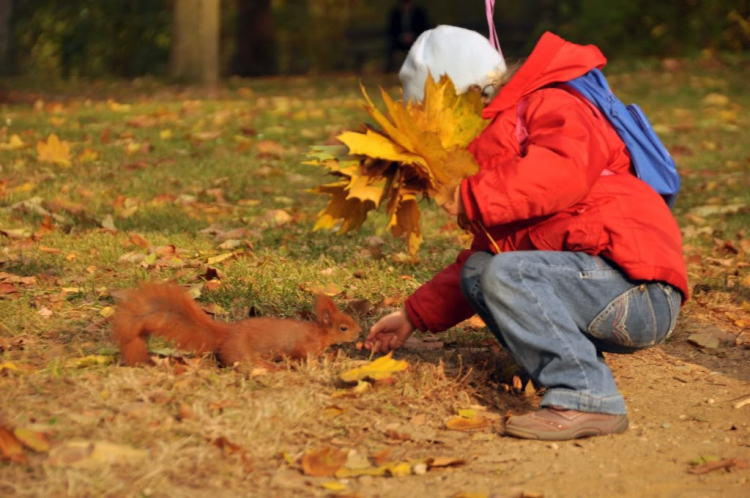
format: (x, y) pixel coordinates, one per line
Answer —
(11, 448)
(382, 456)
(184, 412)
(273, 218)
(218, 259)
(332, 411)
(331, 289)
(231, 244)
(334, 486)
(95, 454)
(323, 462)
(418, 419)
(226, 446)
(89, 361)
(445, 462)
(382, 368)
(16, 233)
(88, 155)
(14, 143)
(8, 366)
(6, 288)
(54, 151)
(704, 211)
(399, 436)
(459, 423)
(205, 136)
(139, 240)
(475, 323)
(400, 469)
(36, 441)
(716, 99)
(108, 222)
(394, 469)
(380, 471)
(270, 148)
(704, 340)
(117, 107)
(107, 311)
(356, 460)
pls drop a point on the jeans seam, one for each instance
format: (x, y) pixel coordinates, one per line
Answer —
(561, 337)
(654, 322)
(673, 312)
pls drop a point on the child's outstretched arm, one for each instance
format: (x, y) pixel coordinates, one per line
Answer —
(389, 333)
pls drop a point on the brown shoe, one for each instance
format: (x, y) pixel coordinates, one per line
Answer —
(559, 424)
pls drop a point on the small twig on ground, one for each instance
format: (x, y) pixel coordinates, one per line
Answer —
(726, 463)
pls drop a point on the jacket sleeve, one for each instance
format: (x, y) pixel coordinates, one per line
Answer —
(565, 155)
(439, 304)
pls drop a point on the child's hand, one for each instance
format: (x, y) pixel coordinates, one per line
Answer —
(389, 333)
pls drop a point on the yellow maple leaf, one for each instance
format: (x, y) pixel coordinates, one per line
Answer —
(351, 210)
(117, 107)
(89, 361)
(459, 423)
(382, 368)
(14, 143)
(420, 149)
(88, 155)
(405, 222)
(54, 151)
(375, 145)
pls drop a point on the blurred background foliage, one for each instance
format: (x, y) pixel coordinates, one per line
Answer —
(94, 38)
(127, 38)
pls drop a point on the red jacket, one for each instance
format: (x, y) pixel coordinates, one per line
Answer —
(565, 184)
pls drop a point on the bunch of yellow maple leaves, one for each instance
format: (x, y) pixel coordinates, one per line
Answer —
(419, 151)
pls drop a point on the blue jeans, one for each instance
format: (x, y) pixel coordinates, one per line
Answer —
(555, 312)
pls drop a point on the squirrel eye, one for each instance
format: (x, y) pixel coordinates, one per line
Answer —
(344, 328)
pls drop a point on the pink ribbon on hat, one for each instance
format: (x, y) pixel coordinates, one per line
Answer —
(494, 40)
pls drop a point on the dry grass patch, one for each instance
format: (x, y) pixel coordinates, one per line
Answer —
(205, 427)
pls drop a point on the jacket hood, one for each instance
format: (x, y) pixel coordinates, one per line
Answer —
(553, 60)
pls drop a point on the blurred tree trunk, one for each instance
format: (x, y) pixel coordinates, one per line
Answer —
(255, 51)
(195, 45)
(6, 11)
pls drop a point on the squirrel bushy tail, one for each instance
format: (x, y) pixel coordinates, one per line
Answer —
(164, 310)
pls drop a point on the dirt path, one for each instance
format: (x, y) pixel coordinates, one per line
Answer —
(681, 408)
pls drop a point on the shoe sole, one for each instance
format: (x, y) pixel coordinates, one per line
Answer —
(565, 435)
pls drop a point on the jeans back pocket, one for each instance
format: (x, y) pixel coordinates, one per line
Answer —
(630, 320)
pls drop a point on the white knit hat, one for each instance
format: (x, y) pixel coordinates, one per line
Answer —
(465, 56)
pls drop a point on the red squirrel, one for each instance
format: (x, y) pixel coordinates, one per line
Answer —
(166, 310)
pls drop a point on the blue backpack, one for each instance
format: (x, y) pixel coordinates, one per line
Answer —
(650, 158)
